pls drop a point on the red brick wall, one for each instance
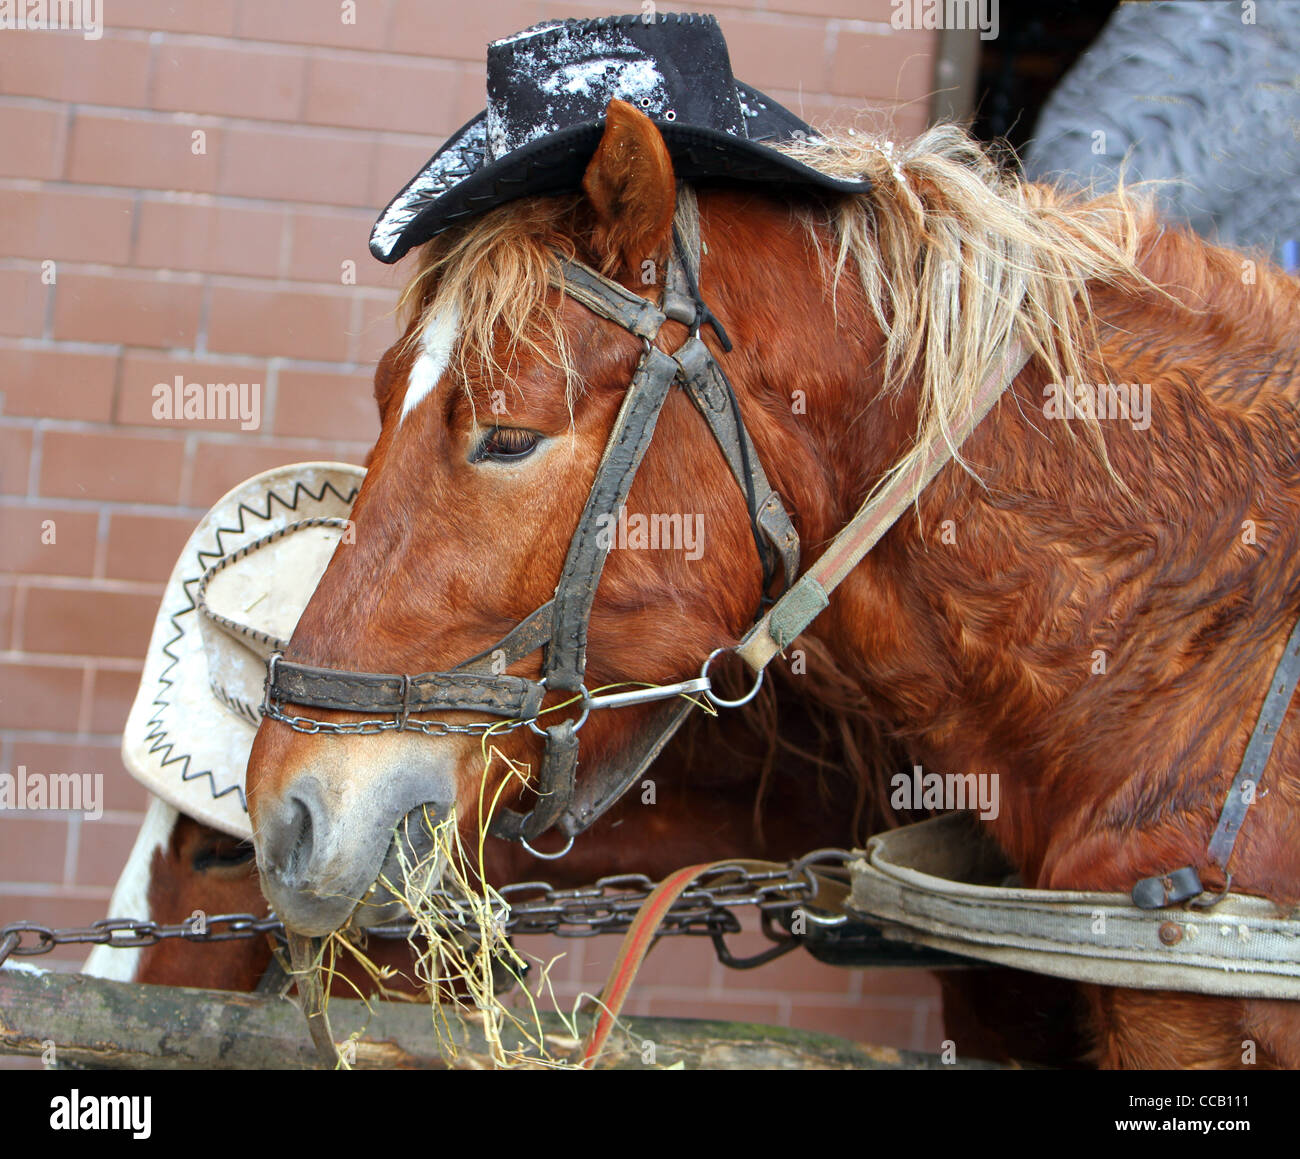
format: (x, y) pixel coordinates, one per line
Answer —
(223, 265)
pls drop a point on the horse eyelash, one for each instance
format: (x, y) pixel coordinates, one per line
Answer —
(481, 452)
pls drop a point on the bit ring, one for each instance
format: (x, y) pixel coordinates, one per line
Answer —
(718, 700)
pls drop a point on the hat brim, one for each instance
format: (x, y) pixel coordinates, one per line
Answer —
(180, 741)
(428, 204)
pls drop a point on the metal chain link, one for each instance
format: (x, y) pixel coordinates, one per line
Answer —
(534, 907)
(310, 725)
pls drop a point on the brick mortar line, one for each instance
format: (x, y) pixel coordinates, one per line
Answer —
(203, 278)
(71, 849)
(34, 466)
(69, 660)
(104, 740)
(88, 674)
(211, 121)
(62, 345)
(188, 464)
(118, 349)
(119, 383)
(63, 141)
(176, 196)
(169, 434)
(47, 322)
(84, 506)
(271, 398)
(155, 43)
(50, 816)
(87, 584)
(288, 236)
(99, 565)
(204, 318)
(879, 28)
(40, 889)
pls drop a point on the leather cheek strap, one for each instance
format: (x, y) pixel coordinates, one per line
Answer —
(566, 659)
(554, 788)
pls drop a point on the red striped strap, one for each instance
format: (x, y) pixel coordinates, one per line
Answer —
(636, 944)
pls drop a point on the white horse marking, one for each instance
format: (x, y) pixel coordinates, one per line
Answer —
(435, 352)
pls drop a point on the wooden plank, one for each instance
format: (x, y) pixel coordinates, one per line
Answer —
(117, 1024)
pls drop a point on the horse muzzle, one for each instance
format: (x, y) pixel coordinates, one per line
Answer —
(321, 852)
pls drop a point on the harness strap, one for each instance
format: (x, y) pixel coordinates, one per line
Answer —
(1184, 884)
(604, 296)
(795, 610)
(682, 276)
(641, 934)
(531, 633)
(931, 883)
(566, 659)
(1258, 750)
(774, 532)
(637, 943)
(594, 797)
(554, 788)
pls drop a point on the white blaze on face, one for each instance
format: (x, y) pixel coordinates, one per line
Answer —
(131, 896)
(435, 352)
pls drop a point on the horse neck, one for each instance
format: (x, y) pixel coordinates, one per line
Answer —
(1007, 624)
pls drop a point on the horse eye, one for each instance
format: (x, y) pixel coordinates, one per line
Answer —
(504, 444)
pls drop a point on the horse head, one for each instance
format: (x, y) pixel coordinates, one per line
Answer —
(824, 346)
(497, 407)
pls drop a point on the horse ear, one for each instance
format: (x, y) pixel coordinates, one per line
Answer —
(630, 185)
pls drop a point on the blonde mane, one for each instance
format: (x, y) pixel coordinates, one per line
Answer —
(955, 256)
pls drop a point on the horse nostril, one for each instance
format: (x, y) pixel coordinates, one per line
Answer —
(288, 844)
(299, 857)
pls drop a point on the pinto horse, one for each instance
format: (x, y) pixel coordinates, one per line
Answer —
(1088, 606)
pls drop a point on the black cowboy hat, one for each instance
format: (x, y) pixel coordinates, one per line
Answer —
(548, 89)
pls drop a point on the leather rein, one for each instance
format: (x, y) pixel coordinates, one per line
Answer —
(560, 626)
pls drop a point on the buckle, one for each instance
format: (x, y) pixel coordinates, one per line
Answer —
(271, 662)
(1168, 889)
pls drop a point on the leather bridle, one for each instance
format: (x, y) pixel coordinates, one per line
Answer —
(561, 625)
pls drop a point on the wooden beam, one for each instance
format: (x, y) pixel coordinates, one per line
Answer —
(118, 1024)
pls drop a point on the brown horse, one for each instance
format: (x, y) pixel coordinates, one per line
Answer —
(1074, 610)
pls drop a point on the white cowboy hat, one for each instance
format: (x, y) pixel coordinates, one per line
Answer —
(234, 596)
